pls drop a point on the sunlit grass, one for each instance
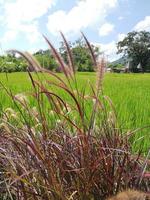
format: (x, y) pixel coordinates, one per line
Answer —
(129, 93)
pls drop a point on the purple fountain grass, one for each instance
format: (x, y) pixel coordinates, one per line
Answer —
(80, 157)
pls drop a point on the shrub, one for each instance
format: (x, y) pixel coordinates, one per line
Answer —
(62, 152)
(10, 64)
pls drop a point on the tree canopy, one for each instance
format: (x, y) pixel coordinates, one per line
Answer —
(80, 51)
(10, 63)
(81, 55)
(136, 46)
(46, 59)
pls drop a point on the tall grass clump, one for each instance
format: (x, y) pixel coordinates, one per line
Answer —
(59, 151)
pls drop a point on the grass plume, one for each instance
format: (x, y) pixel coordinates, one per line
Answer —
(60, 152)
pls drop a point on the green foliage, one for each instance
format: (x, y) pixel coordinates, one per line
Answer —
(81, 55)
(112, 66)
(46, 59)
(136, 45)
(129, 92)
(82, 156)
(10, 63)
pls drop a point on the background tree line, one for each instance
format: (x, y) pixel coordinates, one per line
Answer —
(10, 63)
(80, 52)
(134, 48)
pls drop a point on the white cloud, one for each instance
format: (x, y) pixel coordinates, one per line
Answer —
(120, 18)
(109, 49)
(25, 11)
(32, 33)
(121, 36)
(106, 29)
(8, 36)
(2, 1)
(143, 25)
(21, 16)
(84, 14)
(29, 31)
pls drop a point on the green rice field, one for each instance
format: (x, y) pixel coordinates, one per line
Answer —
(130, 94)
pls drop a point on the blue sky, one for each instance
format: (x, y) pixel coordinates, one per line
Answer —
(104, 22)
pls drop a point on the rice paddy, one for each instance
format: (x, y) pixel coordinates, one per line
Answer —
(130, 94)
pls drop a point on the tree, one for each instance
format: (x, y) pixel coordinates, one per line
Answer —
(136, 46)
(46, 59)
(11, 63)
(117, 65)
(81, 55)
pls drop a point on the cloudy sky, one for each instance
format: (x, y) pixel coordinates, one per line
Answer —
(104, 22)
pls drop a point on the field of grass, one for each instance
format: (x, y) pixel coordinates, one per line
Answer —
(130, 94)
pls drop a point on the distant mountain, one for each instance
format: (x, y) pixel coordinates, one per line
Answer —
(122, 60)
